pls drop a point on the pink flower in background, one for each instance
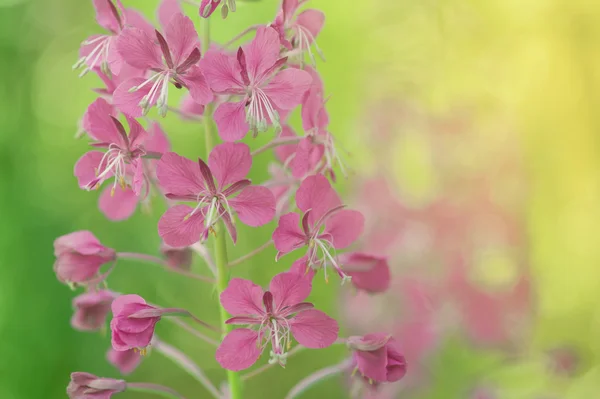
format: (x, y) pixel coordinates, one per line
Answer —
(133, 323)
(322, 209)
(369, 273)
(189, 107)
(173, 59)
(88, 386)
(125, 361)
(122, 160)
(99, 51)
(254, 74)
(177, 258)
(207, 7)
(276, 314)
(299, 30)
(79, 256)
(91, 310)
(377, 357)
(219, 188)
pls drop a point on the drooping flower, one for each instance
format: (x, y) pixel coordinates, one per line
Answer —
(172, 58)
(324, 227)
(298, 31)
(122, 160)
(370, 273)
(133, 323)
(255, 75)
(214, 188)
(79, 256)
(88, 386)
(377, 357)
(177, 258)
(125, 361)
(91, 309)
(99, 51)
(207, 7)
(272, 317)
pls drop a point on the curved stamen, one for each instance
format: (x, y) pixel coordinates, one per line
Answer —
(91, 60)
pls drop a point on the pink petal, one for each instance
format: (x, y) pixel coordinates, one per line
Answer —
(316, 193)
(119, 206)
(122, 300)
(97, 122)
(178, 229)
(289, 8)
(242, 297)
(179, 176)
(369, 273)
(311, 20)
(287, 87)
(231, 121)
(196, 84)
(229, 163)
(83, 242)
(372, 364)
(105, 16)
(288, 236)
(137, 20)
(314, 329)
(262, 52)
(139, 50)
(181, 37)
(85, 168)
(255, 206)
(283, 152)
(344, 228)
(239, 350)
(302, 268)
(190, 107)
(128, 101)
(306, 159)
(222, 71)
(125, 361)
(137, 133)
(166, 10)
(157, 140)
(289, 289)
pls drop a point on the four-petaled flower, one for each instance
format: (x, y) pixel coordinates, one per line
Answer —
(87, 386)
(273, 316)
(255, 75)
(377, 357)
(173, 58)
(325, 226)
(214, 188)
(132, 326)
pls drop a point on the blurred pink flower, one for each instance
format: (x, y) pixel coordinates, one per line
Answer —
(369, 273)
(79, 256)
(185, 180)
(125, 361)
(277, 312)
(133, 323)
(91, 309)
(177, 258)
(377, 357)
(254, 74)
(88, 386)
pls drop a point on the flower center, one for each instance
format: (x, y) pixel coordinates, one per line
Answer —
(158, 94)
(321, 253)
(113, 161)
(258, 110)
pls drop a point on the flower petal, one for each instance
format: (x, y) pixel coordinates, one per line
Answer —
(194, 80)
(105, 17)
(98, 122)
(166, 10)
(123, 300)
(157, 140)
(287, 87)
(302, 268)
(222, 71)
(242, 297)
(179, 176)
(119, 206)
(230, 119)
(316, 193)
(372, 364)
(178, 229)
(344, 227)
(369, 273)
(289, 289)
(262, 52)
(239, 350)
(139, 50)
(190, 107)
(127, 101)
(314, 329)
(255, 206)
(229, 163)
(288, 236)
(137, 20)
(85, 168)
(181, 37)
(311, 20)
(307, 157)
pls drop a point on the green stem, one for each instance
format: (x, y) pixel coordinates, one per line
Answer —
(220, 246)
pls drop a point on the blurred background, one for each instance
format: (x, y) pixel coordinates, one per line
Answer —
(470, 131)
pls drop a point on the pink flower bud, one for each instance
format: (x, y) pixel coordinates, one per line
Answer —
(86, 385)
(91, 310)
(177, 258)
(126, 361)
(79, 256)
(133, 323)
(377, 357)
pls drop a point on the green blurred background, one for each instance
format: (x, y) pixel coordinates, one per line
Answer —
(531, 65)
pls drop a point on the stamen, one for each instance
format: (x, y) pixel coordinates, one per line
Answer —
(98, 52)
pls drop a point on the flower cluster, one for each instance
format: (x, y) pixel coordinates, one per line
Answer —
(253, 88)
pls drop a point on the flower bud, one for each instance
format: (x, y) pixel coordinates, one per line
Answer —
(91, 310)
(133, 323)
(377, 357)
(86, 385)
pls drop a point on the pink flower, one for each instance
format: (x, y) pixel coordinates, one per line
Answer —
(207, 7)
(275, 314)
(100, 50)
(133, 323)
(183, 179)
(91, 310)
(126, 361)
(322, 208)
(177, 258)
(377, 357)
(171, 58)
(122, 160)
(189, 107)
(254, 74)
(299, 31)
(79, 256)
(88, 386)
(369, 273)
